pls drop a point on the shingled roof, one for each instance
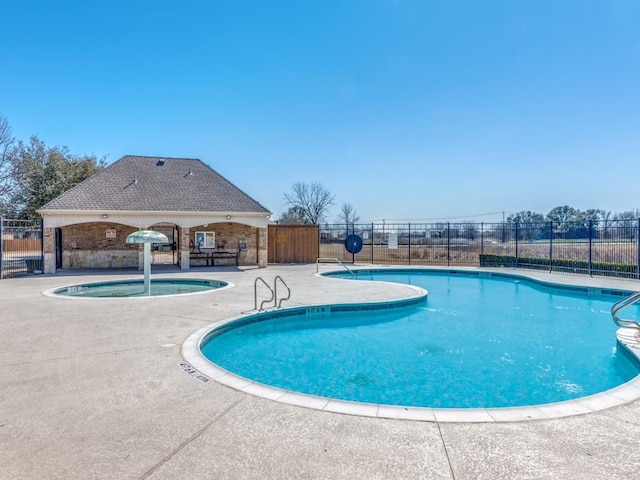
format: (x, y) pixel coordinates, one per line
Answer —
(161, 184)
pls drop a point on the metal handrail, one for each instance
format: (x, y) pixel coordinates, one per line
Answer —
(275, 289)
(255, 294)
(336, 261)
(625, 302)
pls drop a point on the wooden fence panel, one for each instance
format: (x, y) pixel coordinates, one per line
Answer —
(293, 243)
(22, 245)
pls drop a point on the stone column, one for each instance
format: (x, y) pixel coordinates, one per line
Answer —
(184, 248)
(49, 250)
(262, 247)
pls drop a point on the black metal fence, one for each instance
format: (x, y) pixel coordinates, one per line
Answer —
(594, 248)
(21, 247)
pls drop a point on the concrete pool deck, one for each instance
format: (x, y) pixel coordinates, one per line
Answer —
(98, 388)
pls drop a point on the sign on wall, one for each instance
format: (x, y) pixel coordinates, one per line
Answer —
(205, 239)
(393, 241)
(111, 233)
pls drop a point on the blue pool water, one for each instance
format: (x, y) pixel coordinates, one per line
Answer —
(475, 342)
(135, 288)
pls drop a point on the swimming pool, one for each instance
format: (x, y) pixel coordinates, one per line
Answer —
(135, 288)
(477, 342)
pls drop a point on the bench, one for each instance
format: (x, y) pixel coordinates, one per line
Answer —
(207, 257)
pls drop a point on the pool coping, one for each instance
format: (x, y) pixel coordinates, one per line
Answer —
(617, 396)
(51, 292)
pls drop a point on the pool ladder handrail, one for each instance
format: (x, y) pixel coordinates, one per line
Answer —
(624, 303)
(255, 294)
(335, 260)
(275, 289)
(274, 293)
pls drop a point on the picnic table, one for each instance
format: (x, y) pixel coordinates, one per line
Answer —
(208, 256)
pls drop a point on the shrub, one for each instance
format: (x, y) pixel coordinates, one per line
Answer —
(560, 265)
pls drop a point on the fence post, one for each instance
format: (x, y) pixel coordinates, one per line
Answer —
(590, 245)
(1, 247)
(550, 246)
(372, 242)
(481, 244)
(42, 245)
(353, 231)
(409, 243)
(638, 245)
(448, 243)
(516, 232)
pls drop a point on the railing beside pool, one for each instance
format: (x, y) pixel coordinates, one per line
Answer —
(255, 294)
(624, 303)
(275, 290)
(333, 260)
(274, 293)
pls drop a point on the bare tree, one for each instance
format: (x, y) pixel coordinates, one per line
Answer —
(6, 143)
(607, 221)
(312, 201)
(625, 222)
(469, 230)
(348, 214)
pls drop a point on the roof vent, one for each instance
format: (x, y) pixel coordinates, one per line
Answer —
(133, 182)
(160, 163)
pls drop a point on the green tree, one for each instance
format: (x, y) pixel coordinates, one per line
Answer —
(293, 216)
(594, 214)
(530, 224)
(40, 173)
(311, 199)
(525, 217)
(561, 215)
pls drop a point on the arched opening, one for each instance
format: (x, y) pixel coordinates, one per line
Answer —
(166, 253)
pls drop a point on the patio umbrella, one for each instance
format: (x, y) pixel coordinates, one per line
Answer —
(147, 237)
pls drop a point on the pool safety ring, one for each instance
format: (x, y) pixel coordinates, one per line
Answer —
(353, 243)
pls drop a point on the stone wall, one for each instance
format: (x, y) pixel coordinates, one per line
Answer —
(49, 250)
(263, 250)
(100, 259)
(98, 245)
(102, 245)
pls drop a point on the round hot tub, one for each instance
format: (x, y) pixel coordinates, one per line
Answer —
(135, 288)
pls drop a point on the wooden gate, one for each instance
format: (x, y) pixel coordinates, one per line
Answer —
(293, 243)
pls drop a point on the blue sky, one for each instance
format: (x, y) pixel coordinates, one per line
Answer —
(408, 110)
